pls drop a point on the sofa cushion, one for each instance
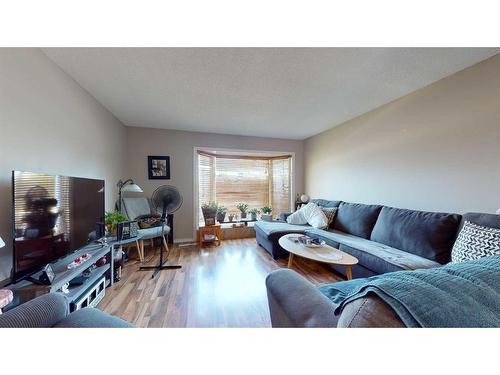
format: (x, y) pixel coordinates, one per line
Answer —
(427, 234)
(485, 220)
(273, 229)
(375, 256)
(326, 203)
(356, 218)
(474, 242)
(310, 214)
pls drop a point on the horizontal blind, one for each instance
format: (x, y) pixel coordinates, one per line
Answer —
(280, 186)
(241, 181)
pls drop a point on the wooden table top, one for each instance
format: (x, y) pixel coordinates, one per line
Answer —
(325, 253)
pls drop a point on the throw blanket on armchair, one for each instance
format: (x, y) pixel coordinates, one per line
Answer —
(456, 295)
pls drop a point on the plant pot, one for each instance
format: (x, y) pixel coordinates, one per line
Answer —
(253, 216)
(243, 215)
(209, 213)
(267, 217)
(221, 216)
(231, 217)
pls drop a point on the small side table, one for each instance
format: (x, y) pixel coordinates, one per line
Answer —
(6, 297)
(212, 229)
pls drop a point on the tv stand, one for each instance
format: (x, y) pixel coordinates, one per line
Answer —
(32, 287)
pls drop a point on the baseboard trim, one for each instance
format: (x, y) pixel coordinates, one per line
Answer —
(181, 240)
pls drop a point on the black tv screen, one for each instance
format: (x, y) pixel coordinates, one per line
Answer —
(52, 217)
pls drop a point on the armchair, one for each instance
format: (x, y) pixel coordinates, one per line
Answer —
(135, 207)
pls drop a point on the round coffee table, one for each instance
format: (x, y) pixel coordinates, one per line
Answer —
(324, 254)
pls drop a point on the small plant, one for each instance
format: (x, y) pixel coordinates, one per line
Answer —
(254, 211)
(221, 209)
(209, 206)
(267, 210)
(243, 207)
(113, 218)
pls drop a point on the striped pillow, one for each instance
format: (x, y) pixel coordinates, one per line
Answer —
(330, 213)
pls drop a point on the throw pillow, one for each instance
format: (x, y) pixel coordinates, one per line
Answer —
(297, 218)
(330, 213)
(474, 242)
(314, 215)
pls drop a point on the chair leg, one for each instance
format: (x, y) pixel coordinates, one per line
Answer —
(141, 259)
(152, 241)
(165, 244)
(141, 243)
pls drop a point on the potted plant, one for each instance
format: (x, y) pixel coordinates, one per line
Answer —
(221, 213)
(266, 213)
(111, 220)
(209, 212)
(253, 213)
(230, 217)
(243, 207)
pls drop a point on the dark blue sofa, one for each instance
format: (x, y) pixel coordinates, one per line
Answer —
(384, 239)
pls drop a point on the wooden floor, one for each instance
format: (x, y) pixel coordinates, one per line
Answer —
(216, 287)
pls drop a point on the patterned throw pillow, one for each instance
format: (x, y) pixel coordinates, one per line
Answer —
(330, 213)
(474, 242)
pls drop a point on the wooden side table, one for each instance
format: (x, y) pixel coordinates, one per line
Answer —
(213, 230)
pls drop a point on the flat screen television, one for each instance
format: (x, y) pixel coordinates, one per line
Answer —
(53, 216)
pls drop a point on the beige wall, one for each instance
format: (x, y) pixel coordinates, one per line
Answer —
(49, 124)
(179, 145)
(435, 149)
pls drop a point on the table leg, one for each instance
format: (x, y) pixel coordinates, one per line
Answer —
(348, 272)
(290, 260)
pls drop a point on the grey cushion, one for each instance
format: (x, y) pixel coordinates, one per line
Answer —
(41, 312)
(375, 256)
(427, 234)
(135, 207)
(92, 318)
(153, 232)
(277, 228)
(485, 220)
(326, 203)
(356, 218)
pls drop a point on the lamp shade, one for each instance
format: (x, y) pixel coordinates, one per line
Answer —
(2, 244)
(304, 198)
(132, 188)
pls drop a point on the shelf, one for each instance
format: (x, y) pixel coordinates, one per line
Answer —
(95, 275)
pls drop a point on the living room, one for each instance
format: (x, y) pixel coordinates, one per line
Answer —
(223, 185)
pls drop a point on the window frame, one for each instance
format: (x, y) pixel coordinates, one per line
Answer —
(220, 149)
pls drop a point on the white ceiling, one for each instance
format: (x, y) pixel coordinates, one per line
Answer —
(271, 92)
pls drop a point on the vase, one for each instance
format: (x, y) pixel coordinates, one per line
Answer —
(267, 217)
(221, 216)
(243, 215)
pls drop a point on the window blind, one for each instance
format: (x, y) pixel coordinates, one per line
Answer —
(256, 181)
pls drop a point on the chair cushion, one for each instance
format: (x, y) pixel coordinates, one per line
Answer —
(135, 207)
(427, 234)
(356, 218)
(153, 232)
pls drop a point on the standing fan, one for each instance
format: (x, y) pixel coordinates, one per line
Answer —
(166, 199)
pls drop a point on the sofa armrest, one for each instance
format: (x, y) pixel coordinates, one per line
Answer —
(369, 312)
(42, 312)
(92, 318)
(295, 302)
(284, 216)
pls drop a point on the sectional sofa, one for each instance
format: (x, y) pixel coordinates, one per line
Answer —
(384, 239)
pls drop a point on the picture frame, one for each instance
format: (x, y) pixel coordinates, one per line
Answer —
(159, 167)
